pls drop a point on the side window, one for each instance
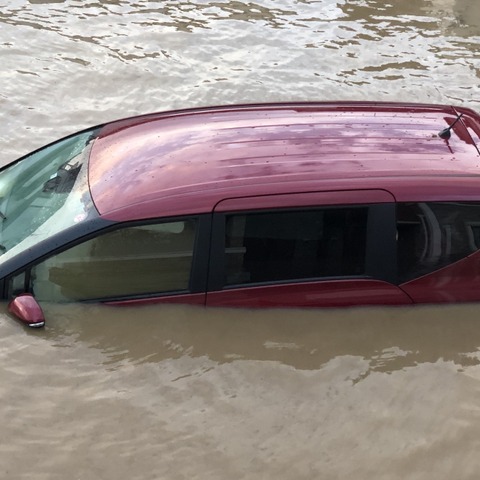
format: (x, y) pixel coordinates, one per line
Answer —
(136, 260)
(289, 245)
(433, 235)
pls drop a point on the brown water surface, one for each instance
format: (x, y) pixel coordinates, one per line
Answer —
(179, 392)
(182, 392)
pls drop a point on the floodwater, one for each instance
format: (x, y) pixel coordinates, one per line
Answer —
(181, 392)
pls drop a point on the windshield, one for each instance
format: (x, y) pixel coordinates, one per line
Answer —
(44, 193)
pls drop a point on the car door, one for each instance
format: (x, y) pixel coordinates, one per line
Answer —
(317, 249)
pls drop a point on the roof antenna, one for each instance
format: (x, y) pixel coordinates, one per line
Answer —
(445, 133)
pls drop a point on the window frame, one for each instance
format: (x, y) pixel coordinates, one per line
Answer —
(198, 271)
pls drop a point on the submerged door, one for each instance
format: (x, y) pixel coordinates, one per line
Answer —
(305, 250)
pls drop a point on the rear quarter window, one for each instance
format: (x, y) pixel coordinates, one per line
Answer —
(433, 235)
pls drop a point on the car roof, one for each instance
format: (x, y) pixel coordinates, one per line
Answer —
(186, 161)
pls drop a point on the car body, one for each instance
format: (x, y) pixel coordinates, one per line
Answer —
(274, 205)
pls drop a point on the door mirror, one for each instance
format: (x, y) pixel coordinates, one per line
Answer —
(26, 309)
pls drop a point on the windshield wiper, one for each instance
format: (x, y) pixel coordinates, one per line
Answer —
(63, 180)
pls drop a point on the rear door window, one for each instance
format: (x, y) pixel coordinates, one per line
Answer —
(290, 245)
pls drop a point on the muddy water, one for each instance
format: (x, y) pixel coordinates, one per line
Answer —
(177, 392)
(180, 393)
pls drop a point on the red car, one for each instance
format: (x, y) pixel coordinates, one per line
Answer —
(281, 205)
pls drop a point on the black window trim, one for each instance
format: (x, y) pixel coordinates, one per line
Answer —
(381, 254)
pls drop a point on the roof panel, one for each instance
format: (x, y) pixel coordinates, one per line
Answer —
(188, 153)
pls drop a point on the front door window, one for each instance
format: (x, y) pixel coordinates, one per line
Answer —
(132, 261)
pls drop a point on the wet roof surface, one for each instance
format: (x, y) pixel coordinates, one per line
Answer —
(147, 159)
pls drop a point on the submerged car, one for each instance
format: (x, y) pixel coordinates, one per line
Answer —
(276, 205)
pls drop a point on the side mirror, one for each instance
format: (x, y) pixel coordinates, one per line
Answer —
(27, 310)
